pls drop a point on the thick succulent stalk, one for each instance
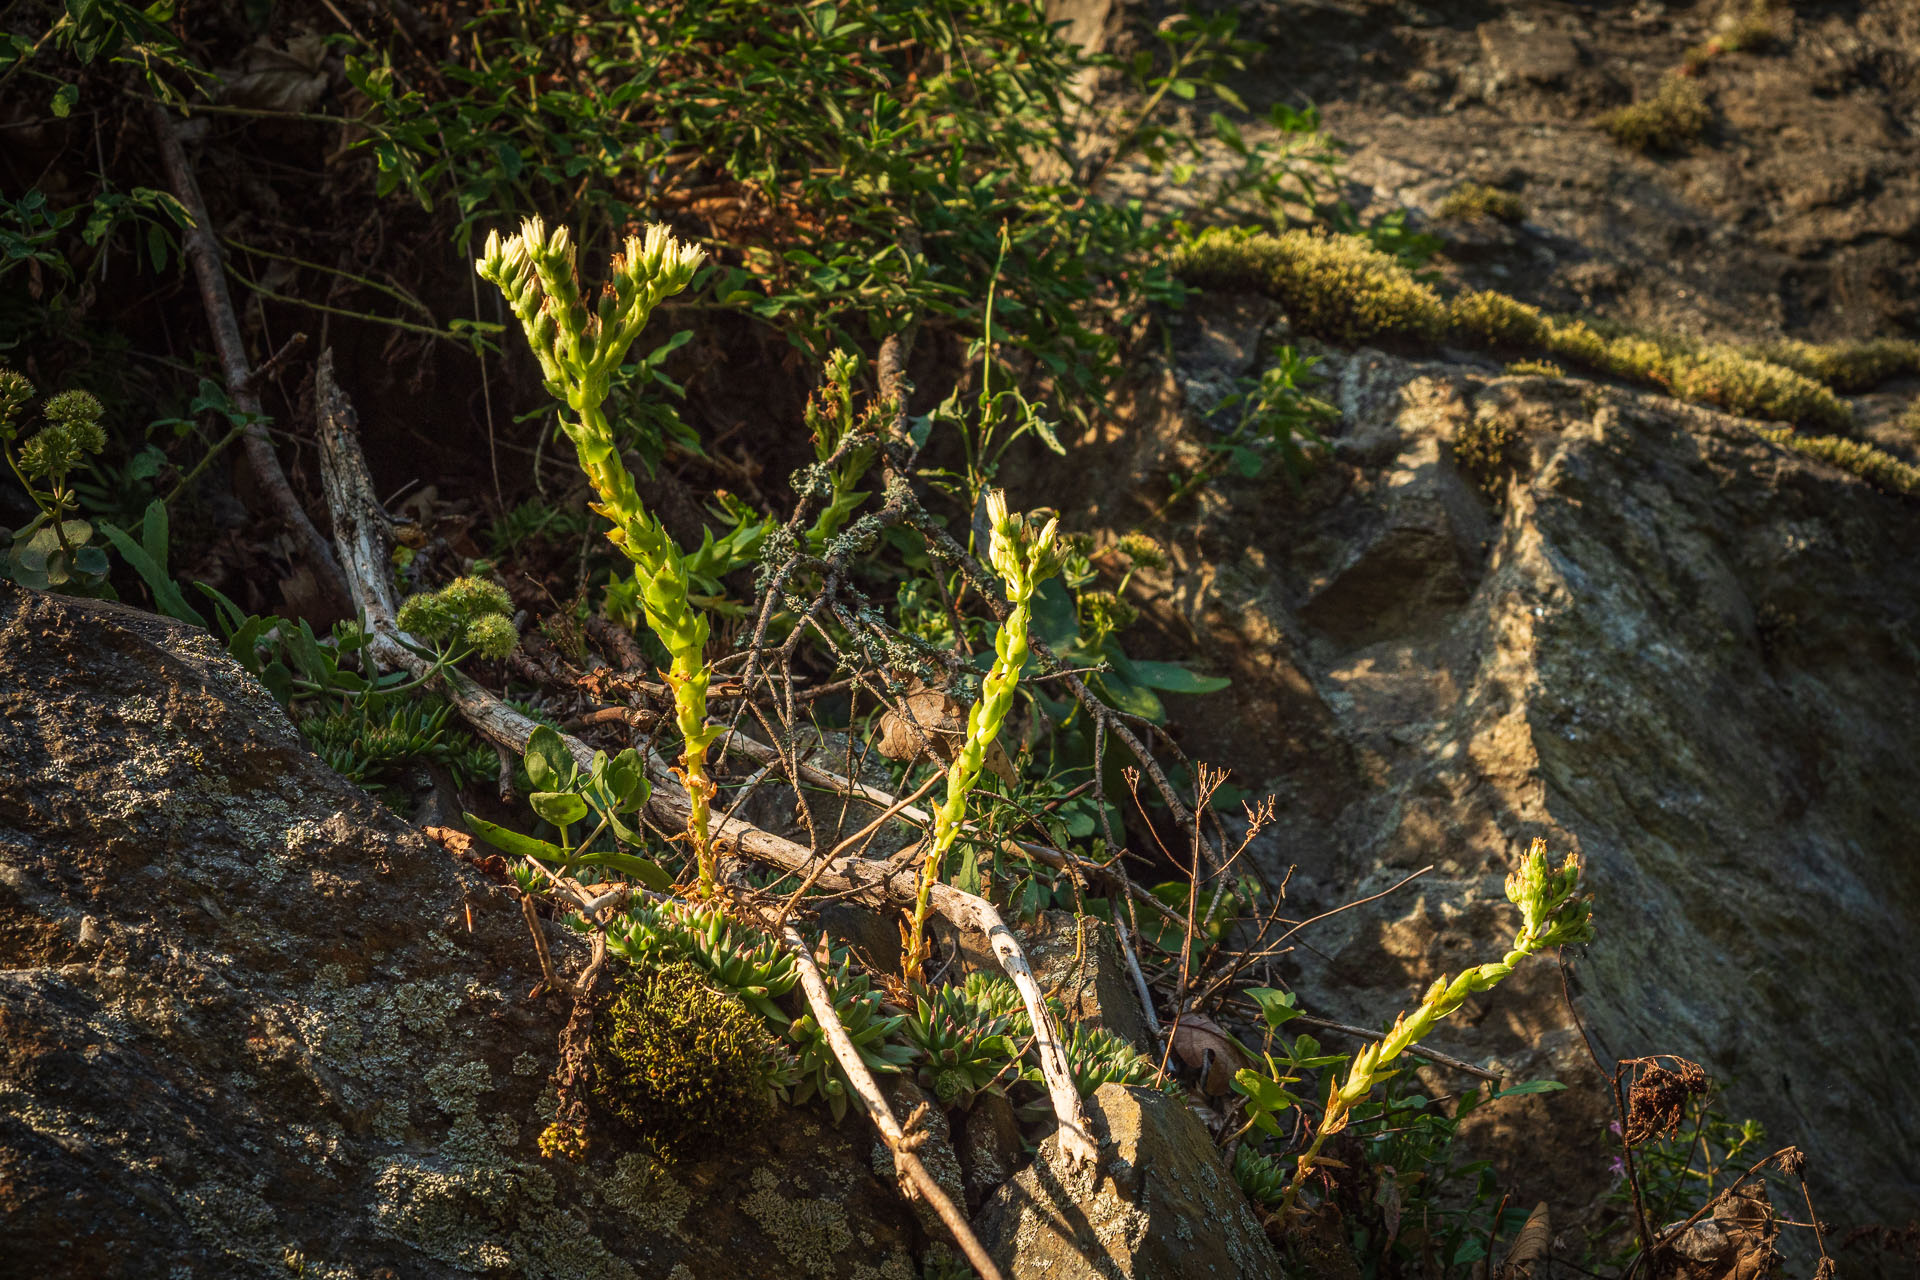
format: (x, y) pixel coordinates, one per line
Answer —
(1551, 916)
(578, 352)
(1023, 562)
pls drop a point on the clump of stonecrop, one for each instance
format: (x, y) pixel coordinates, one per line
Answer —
(579, 349)
(1024, 556)
(51, 550)
(467, 616)
(1551, 915)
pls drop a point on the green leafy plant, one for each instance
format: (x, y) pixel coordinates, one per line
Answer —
(578, 349)
(1023, 556)
(1270, 417)
(1551, 916)
(965, 1044)
(608, 791)
(52, 551)
(868, 1026)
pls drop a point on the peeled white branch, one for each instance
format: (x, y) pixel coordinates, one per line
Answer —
(820, 1000)
(361, 531)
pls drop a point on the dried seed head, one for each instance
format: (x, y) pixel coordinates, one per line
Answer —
(1659, 1100)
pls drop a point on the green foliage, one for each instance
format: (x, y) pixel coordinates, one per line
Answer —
(1270, 417)
(1684, 1166)
(890, 114)
(965, 1036)
(843, 446)
(1340, 288)
(1096, 1056)
(609, 791)
(683, 1063)
(1535, 369)
(1476, 201)
(372, 741)
(468, 615)
(1675, 115)
(870, 1028)
(1876, 466)
(1260, 1176)
(51, 551)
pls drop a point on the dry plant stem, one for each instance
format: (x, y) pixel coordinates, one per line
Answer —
(362, 530)
(1058, 859)
(203, 251)
(820, 1000)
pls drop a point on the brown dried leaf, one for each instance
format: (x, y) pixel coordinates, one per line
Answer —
(289, 79)
(1199, 1041)
(932, 724)
(1530, 1246)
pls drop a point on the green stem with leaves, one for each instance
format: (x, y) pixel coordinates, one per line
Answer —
(1551, 916)
(1024, 560)
(579, 349)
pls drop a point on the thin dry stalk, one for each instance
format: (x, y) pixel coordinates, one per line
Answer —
(820, 1000)
(203, 251)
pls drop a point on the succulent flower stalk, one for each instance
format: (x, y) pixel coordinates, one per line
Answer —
(579, 347)
(1550, 916)
(1023, 559)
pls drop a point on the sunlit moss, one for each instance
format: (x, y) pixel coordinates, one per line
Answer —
(681, 1062)
(1339, 288)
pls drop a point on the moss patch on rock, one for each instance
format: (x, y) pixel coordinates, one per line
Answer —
(682, 1063)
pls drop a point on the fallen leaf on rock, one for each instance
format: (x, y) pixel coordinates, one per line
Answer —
(932, 724)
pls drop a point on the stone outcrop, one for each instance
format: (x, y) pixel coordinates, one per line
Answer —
(252, 1025)
(1662, 641)
(1162, 1207)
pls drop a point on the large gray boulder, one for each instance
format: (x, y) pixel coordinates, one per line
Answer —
(253, 1025)
(1663, 641)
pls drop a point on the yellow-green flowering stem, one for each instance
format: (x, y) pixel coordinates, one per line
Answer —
(1023, 561)
(579, 348)
(1551, 916)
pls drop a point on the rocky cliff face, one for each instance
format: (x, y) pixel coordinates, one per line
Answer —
(253, 1025)
(1656, 639)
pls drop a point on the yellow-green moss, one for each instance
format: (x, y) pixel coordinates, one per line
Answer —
(1494, 320)
(1474, 201)
(1676, 114)
(680, 1062)
(1844, 366)
(1535, 369)
(1909, 419)
(1339, 288)
(1489, 449)
(1873, 465)
(1714, 375)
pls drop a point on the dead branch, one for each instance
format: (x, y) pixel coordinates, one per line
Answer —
(820, 1000)
(203, 251)
(361, 527)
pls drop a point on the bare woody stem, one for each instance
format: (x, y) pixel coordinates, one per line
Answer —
(820, 1000)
